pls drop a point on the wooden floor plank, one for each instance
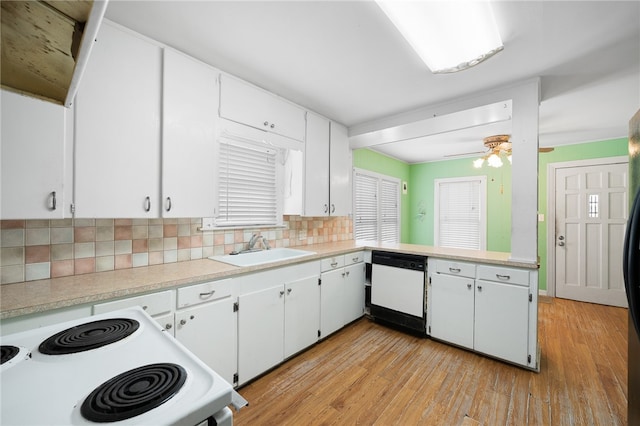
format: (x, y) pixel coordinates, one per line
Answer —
(371, 374)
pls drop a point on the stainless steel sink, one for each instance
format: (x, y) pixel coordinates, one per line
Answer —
(252, 258)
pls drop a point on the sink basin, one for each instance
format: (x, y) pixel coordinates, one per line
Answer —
(263, 256)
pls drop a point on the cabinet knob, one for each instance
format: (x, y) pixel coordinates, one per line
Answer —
(168, 327)
(289, 290)
(343, 274)
(145, 307)
(183, 321)
(272, 125)
(266, 123)
(281, 293)
(479, 288)
(347, 273)
(469, 286)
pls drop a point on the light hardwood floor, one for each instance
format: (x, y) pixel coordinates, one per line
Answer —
(370, 374)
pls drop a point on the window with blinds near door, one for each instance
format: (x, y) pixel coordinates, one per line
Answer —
(376, 207)
(247, 187)
(460, 213)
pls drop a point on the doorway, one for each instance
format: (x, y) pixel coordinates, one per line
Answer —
(588, 211)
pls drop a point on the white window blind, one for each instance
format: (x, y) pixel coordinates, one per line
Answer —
(247, 184)
(366, 207)
(377, 207)
(460, 213)
(389, 211)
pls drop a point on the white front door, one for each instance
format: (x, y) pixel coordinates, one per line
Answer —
(591, 214)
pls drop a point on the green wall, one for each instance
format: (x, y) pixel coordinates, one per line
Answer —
(420, 179)
(376, 162)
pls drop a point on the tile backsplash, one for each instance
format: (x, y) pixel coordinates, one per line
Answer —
(41, 249)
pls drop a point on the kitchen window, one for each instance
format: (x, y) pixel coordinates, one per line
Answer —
(249, 175)
(460, 213)
(376, 207)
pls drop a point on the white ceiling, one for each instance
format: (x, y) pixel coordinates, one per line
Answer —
(345, 60)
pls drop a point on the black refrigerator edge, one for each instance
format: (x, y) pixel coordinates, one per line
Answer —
(631, 271)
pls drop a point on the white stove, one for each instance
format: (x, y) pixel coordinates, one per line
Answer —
(133, 372)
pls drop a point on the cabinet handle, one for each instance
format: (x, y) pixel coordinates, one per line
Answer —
(334, 264)
(469, 286)
(168, 327)
(479, 288)
(326, 208)
(333, 208)
(503, 277)
(454, 270)
(289, 290)
(207, 294)
(183, 321)
(147, 204)
(54, 201)
(168, 204)
(355, 259)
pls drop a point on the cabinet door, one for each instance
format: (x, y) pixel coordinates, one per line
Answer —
(331, 302)
(117, 149)
(316, 169)
(354, 292)
(502, 320)
(190, 108)
(33, 158)
(209, 331)
(340, 168)
(452, 309)
(260, 331)
(247, 104)
(301, 314)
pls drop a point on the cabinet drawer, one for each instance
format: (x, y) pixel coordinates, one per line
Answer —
(205, 292)
(153, 304)
(331, 263)
(503, 275)
(456, 268)
(352, 258)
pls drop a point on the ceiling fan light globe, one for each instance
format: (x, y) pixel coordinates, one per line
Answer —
(478, 163)
(494, 161)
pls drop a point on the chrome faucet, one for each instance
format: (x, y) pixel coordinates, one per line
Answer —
(254, 239)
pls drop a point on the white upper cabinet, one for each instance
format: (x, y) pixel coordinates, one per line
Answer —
(190, 107)
(247, 104)
(340, 171)
(316, 167)
(34, 167)
(117, 141)
(327, 169)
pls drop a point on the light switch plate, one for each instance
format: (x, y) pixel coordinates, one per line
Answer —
(540, 217)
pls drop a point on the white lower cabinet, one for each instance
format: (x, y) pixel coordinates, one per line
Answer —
(205, 323)
(260, 331)
(278, 316)
(452, 309)
(502, 320)
(489, 309)
(209, 331)
(341, 291)
(301, 314)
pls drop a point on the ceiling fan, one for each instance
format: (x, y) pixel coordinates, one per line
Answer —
(497, 146)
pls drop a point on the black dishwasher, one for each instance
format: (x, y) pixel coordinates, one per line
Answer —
(398, 290)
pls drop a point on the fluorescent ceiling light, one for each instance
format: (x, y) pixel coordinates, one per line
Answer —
(449, 36)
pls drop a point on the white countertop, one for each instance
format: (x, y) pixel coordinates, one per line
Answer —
(44, 295)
